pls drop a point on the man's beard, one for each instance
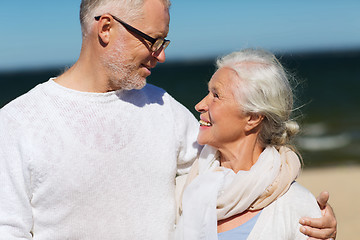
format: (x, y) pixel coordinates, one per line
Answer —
(121, 75)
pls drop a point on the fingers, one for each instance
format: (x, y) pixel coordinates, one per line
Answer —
(320, 228)
(322, 199)
(320, 223)
(316, 233)
(327, 220)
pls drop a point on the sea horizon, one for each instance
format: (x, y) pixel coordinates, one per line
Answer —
(326, 92)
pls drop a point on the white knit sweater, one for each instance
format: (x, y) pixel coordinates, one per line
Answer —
(100, 166)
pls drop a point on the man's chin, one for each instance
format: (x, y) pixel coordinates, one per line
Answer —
(139, 84)
(138, 87)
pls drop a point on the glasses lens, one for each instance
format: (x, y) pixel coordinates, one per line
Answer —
(166, 43)
(157, 44)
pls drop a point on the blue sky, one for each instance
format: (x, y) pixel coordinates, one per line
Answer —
(44, 33)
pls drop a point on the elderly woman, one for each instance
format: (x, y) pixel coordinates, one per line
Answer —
(242, 186)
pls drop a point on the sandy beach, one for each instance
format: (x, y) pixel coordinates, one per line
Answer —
(342, 183)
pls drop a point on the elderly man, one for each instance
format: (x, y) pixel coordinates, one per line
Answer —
(93, 153)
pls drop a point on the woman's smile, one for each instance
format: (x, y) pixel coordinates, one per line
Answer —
(204, 123)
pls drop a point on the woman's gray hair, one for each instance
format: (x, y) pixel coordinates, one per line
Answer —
(129, 9)
(263, 87)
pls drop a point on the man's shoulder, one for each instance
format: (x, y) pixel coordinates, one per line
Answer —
(153, 91)
(23, 104)
(151, 94)
(150, 88)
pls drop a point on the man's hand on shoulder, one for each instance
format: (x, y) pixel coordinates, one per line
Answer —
(324, 227)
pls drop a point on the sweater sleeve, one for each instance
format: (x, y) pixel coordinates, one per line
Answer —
(15, 208)
(186, 131)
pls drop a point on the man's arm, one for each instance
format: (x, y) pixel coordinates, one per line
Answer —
(15, 209)
(324, 227)
(186, 131)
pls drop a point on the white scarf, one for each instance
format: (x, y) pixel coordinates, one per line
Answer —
(213, 193)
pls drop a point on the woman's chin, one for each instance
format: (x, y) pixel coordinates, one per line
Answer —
(204, 142)
(201, 141)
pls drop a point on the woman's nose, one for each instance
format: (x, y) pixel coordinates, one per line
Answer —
(201, 106)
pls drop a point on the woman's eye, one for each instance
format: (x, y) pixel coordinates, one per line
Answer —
(215, 95)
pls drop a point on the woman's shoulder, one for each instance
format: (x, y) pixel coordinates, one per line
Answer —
(300, 201)
(298, 193)
(280, 220)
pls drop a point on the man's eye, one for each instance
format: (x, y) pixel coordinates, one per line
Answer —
(215, 95)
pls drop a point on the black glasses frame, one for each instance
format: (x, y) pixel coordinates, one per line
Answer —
(156, 43)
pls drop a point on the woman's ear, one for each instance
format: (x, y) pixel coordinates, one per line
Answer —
(254, 120)
(103, 29)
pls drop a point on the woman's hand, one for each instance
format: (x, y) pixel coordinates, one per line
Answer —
(324, 227)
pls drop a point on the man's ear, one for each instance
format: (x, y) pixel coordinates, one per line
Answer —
(103, 29)
(254, 120)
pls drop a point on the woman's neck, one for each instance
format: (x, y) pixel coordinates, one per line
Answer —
(240, 156)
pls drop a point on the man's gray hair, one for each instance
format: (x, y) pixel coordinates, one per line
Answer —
(262, 87)
(129, 10)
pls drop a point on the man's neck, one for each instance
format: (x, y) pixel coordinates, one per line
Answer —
(84, 77)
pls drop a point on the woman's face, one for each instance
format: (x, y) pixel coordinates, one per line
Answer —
(222, 121)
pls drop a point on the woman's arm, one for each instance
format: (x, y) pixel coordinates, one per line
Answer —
(324, 227)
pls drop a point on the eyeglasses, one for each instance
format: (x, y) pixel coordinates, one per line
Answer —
(156, 43)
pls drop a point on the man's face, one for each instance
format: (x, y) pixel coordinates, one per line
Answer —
(129, 60)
